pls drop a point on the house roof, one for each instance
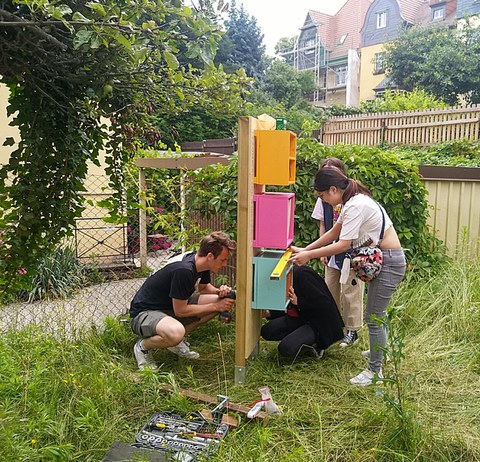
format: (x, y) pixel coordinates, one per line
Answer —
(424, 13)
(385, 84)
(341, 32)
(323, 22)
(409, 9)
(419, 11)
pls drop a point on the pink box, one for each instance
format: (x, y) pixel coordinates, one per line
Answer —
(274, 218)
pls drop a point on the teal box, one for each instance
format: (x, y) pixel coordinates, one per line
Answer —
(270, 294)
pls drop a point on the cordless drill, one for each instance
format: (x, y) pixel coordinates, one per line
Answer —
(226, 316)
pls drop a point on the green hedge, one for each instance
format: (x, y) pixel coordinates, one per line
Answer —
(393, 180)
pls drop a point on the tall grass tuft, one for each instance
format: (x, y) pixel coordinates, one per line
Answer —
(58, 275)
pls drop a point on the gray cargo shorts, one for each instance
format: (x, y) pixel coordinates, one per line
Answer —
(145, 323)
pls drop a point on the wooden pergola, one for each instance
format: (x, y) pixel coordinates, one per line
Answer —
(199, 160)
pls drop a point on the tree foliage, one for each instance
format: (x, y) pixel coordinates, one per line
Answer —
(242, 45)
(442, 61)
(287, 85)
(285, 44)
(72, 66)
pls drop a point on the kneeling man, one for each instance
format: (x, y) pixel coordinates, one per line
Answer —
(179, 298)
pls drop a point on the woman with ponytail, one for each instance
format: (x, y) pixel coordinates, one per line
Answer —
(361, 222)
(348, 296)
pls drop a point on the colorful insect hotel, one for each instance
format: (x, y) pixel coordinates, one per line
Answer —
(275, 156)
(267, 157)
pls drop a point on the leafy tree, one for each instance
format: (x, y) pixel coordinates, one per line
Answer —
(287, 85)
(285, 44)
(197, 124)
(442, 61)
(70, 66)
(242, 45)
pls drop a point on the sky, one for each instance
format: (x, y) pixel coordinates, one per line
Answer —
(283, 18)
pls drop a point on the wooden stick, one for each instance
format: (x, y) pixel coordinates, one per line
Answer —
(211, 400)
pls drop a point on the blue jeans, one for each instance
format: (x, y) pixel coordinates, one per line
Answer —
(379, 294)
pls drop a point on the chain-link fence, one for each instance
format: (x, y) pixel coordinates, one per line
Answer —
(110, 257)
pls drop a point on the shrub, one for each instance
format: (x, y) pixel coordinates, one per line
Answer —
(392, 101)
(58, 275)
(393, 180)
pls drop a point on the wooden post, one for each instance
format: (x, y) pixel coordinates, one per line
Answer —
(142, 216)
(248, 321)
(182, 205)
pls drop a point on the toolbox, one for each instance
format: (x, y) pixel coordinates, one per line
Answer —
(183, 438)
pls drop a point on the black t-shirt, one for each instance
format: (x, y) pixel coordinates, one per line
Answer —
(175, 280)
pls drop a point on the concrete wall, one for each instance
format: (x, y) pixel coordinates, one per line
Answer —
(6, 131)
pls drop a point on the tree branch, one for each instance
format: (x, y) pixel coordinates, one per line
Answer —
(15, 20)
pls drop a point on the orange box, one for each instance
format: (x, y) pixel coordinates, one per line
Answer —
(275, 157)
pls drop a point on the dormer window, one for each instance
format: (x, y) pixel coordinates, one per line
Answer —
(438, 13)
(309, 43)
(381, 20)
(342, 39)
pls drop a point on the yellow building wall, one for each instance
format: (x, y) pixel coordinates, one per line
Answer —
(369, 80)
(6, 131)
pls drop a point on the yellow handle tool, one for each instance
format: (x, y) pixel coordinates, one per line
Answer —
(281, 265)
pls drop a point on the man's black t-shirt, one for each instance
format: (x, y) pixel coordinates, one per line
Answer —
(175, 280)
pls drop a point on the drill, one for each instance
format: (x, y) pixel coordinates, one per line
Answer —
(226, 316)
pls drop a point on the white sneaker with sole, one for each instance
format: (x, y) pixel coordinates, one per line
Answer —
(144, 360)
(183, 349)
(366, 378)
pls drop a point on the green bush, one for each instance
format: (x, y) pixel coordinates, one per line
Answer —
(393, 180)
(392, 101)
(461, 153)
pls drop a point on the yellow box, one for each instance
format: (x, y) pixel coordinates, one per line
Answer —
(275, 157)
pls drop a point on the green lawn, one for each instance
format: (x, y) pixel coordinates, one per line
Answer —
(69, 401)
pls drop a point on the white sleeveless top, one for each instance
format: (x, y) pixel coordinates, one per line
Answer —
(361, 220)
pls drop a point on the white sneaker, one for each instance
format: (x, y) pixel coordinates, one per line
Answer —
(366, 378)
(183, 349)
(144, 360)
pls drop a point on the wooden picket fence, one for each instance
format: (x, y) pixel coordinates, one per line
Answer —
(422, 127)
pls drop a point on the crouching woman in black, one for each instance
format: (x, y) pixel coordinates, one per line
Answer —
(312, 321)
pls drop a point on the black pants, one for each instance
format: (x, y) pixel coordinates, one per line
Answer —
(293, 333)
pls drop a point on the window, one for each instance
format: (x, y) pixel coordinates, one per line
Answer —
(342, 39)
(309, 43)
(340, 76)
(438, 13)
(379, 63)
(381, 20)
